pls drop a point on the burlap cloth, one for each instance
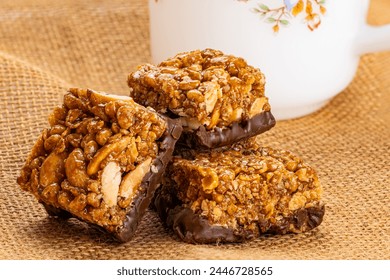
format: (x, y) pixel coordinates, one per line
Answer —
(48, 46)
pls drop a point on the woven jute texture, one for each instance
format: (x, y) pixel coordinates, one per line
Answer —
(48, 46)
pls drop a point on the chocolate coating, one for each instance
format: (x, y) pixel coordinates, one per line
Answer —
(201, 138)
(150, 183)
(190, 227)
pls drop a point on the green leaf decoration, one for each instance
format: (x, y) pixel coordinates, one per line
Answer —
(284, 22)
(264, 7)
(271, 19)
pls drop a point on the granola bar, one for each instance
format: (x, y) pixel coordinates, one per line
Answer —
(236, 195)
(219, 98)
(100, 161)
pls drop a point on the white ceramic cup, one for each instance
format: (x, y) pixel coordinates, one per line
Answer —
(308, 49)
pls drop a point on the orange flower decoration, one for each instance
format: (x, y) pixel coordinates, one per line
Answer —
(281, 15)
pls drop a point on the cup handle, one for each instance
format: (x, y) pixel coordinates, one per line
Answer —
(373, 39)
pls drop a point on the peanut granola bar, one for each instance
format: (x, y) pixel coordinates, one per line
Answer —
(219, 98)
(238, 194)
(100, 161)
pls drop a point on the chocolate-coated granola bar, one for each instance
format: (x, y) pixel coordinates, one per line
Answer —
(236, 195)
(101, 160)
(219, 98)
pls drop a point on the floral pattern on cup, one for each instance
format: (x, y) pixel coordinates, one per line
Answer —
(281, 15)
(287, 9)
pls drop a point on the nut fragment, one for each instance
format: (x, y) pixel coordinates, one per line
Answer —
(90, 149)
(74, 139)
(302, 175)
(103, 135)
(75, 169)
(210, 179)
(132, 152)
(133, 179)
(72, 102)
(57, 116)
(57, 129)
(52, 169)
(212, 92)
(116, 147)
(98, 98)
(111, 178)
(187, 83)
(195, 95)
(214, 117)
(125, 116)
(257, 106)
(51, 142)
(78, 204)
(297, 201)
(50, 192)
